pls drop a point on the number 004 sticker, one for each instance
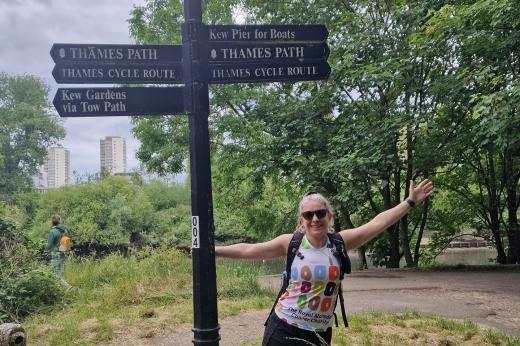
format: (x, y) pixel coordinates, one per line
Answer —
(195, 236)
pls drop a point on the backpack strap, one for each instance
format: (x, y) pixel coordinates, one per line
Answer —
(294, 245)
(342, 306)
(346, 268)
(341, 253)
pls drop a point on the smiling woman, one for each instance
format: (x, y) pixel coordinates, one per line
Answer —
(305, 308)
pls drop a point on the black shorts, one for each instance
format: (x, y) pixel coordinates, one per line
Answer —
(279, 333)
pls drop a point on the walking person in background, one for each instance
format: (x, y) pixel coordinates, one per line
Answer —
(303, 313)
(58, 244)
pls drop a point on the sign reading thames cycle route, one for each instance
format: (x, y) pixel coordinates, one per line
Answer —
(235, 54)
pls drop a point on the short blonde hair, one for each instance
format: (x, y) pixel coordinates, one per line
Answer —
(314, 197)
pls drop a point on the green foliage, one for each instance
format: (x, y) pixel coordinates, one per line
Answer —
(172, 226)
(164, 197)
(164, 143)
(26, 286)
(247, 210)
(113, 214)
(27, 128)
(482, 38)
(417, 90)
(451, 219)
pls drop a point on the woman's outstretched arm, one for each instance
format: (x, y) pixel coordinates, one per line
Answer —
(359, 236)
(271, 249)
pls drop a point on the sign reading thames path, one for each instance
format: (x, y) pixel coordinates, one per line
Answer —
(209, 54)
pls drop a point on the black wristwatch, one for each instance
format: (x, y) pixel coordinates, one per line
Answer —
(410, 202)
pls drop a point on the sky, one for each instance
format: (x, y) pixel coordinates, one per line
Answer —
(28, 28)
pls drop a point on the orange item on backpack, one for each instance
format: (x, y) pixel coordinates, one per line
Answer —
(65, 243)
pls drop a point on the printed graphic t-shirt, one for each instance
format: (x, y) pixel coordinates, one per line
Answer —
(308, 302)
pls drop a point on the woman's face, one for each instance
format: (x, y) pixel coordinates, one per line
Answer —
(310, 218)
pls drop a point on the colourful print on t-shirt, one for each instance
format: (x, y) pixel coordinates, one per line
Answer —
(309, 300)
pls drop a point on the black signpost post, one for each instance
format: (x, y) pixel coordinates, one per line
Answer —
(210, 54)
(196, 102)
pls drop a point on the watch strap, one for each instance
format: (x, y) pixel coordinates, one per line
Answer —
(410, 202)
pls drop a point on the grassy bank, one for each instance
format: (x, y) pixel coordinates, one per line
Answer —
(152, 293)
(118, 293)
(416, 329)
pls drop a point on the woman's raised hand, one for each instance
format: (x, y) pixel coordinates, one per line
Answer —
(421, 192)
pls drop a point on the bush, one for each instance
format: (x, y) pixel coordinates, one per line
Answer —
(26, 286)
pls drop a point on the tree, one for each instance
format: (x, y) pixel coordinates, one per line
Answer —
(354, 137)
(27, 127)
(485, 39)
(415, 91)
(361, 136)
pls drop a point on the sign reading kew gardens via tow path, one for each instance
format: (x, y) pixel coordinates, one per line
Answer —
(209, 54)
(85, 102)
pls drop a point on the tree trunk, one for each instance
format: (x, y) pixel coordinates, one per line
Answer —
(493, 208)
(417, 254)
(393, 232)
(513, 230)
(405, 240)
(361, 251)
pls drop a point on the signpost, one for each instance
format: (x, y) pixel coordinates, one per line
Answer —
(237, 52)
(115, 53)
(70, 73)
(210, 54)
(85, 102)
(259, 33)
(267, 72)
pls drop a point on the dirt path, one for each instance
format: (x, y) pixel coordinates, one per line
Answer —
(490, 299)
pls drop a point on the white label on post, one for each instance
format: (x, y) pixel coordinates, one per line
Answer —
(195, 236)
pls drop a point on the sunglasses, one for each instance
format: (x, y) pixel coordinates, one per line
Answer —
(309, 215)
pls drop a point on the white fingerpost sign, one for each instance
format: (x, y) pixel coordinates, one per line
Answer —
(195, 236)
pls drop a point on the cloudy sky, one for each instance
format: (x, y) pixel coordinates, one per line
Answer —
(28, 28)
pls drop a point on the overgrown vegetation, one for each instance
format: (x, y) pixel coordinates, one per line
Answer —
(27, 127)
(149, 295)
(118, 292)
(416, 329)
(26, 287)
(114, 214)
(418, 89)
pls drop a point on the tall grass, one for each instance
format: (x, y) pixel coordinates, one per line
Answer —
(119, 292)
(151, 293)
(412, 328)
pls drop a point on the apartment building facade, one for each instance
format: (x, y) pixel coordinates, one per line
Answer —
(112, 152)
